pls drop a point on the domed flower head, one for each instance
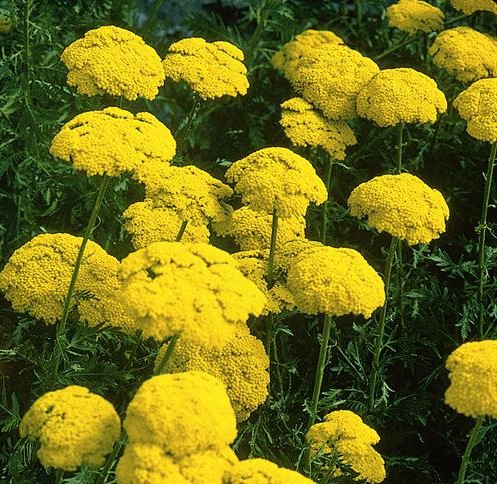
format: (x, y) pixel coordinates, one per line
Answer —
(37, 276)
(182, 414)
(73, 427)
(305, 126)
(241, 364)
(114, 61)
(402, 205)
(334, 282)
(288, 57)
(112, 141)
(344, 434)
(331, 78)
(473, 379)
(478, 106)
(415, 16)
(471, 6)
(401, 95)
(211, 69)
(465, 53)
(277, 179)
(194, 290)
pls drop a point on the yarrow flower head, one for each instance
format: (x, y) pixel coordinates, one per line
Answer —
(401, 95)
(473, 379)
(402, 205)
(115, 61)
(211, 69)
(471, 6)
(277, 179)
(305, 126)
(465, 53)
(415, 16)
(478, 106)
(344, 434)
(334, 282)
(73, 427)
(113, 141)
(331, 78)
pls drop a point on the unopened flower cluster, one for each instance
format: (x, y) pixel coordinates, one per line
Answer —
(415, 16)
(471, 6)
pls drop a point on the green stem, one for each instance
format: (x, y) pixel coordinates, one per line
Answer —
(152, 18)
(400, 283)
(59, 474)
(182, 135)
(400, 132)
(167, 356)
(270, 278)
(473, 437)
(327, 181)
(134, 350)
(279, 380)
(181, 230)
(112, 457)
(482, 229)
(261, 20)
(381, 324)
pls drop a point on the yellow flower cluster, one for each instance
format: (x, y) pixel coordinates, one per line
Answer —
(402, 205)
(401, 95)
(478, 106)
(114, 61)
(306, 126)
(331, 78)
(465, 53)
(471, 6)
(262, 471)
(343, 433)
(113, 141)
(194, 290)
(277, 179)
(288, 57)
(241, 364)
(73, 426)
(473, 379)
(415, 16)
(36, 279)
(211, 69)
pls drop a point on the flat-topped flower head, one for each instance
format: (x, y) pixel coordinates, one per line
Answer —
(277, 179)
(343, 434)
(73, 427)
(306, 126)
(331, 78)
(115, 61)
(415, 16)
(334, 282)
(471, 6)
(478, 106)
(401, 95)
(194, 290)
(402, 205)
(113, 141)
(465, 53)
(211, 69)
(473, 379)
(288, 57)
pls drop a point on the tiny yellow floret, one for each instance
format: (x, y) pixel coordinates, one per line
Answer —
(415, 16)
(471, 6)
(262, 471)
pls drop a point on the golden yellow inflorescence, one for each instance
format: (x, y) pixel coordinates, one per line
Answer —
(211, 69)
(401, 95)
(415, 16)
(115, 61)
(402, 205)
(471, 6)
(73, 427)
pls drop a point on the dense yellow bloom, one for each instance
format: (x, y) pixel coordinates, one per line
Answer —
(262, 471)
(73, 426)
(194, 290)
(288, 57)
(241, 364)
(36, 279)
(334, 281)
(471, 6)
(473, 379)
(182, 413)
(211, 69)
(306, 126)
(113, 141)
(402, 205)
(277, 179)
(285, 256)
(114, 61)
(345, 434)
(415, 16)
(401, 95)
(331, 78)
(478, 106)
(465, 53)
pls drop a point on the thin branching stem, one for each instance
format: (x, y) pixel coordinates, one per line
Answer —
(327, 182)
(473, 437)
(181, 231)
(185, 131)
(400, 134)
(112, 457)
(162, 366)
(270, 278)
(59, 475)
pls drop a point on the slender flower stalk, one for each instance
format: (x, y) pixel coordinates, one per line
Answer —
(400, 133)
(112, 457)
(270, 277)
(167, 355)
(473, 437)
(187, 124)
(59, 474)
(327, 181)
